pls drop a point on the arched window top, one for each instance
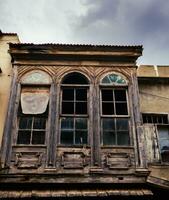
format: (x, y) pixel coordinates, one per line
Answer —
(36, 77)
(75, 78)
(114, 79)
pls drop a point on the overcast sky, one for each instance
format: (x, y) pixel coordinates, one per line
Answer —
(112, 22)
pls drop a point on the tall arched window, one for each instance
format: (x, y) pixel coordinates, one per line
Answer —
(33, 108)
(74, 110)
(114, 110)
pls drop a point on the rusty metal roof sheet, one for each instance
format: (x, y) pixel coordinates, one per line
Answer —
(74, 193)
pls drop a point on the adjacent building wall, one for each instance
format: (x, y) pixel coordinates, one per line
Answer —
(154, 95)
(5, 75)
(154, 98)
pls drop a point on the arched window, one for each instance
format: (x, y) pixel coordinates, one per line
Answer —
(114, 110)
(33, 108)
(74, 110)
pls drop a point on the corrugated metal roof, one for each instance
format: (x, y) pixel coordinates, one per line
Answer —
(76, 45)
(74, 193)
(1, 33)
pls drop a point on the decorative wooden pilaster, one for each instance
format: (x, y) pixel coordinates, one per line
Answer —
(51, 147)
(9, 123)
(96, 128)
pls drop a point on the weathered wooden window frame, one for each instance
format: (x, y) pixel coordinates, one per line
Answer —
(44, 84)
(114, 86)
(74, 115)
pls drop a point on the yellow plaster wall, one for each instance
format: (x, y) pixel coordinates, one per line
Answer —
(5, 76)
(154, 98)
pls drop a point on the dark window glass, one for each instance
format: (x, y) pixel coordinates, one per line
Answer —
(38, 137)
(25, 123)
(74, 131)
(115, 131)
(68, 94)
(81, 123)
(120, 95)
(155, 118)
(31, 130)
(67, 108)
(81, 94)
(81, 107)
(122, 124)
(81, 137)
(67, 124)
(108, 124)
(109, 138)
(75, 78)
(122, 138)
(107, 95)
(66, 137)
(163, 132)
(121, 109)
(39, 123)
(107, 109)
(24, 137)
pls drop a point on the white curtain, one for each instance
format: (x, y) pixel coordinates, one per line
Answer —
(34, 101)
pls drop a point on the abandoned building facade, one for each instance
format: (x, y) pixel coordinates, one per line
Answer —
(84, 121)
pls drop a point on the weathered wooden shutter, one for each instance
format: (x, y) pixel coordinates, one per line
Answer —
(152, 144)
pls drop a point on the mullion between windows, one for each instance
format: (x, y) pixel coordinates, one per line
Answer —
(114, 102)
(32, 130)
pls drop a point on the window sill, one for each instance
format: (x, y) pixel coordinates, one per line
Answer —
(116, 147)
(29, 146)
(73, 146)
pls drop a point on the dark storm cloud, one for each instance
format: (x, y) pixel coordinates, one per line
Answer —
(127, 22)
(132, 17)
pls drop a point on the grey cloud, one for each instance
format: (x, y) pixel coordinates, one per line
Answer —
(124, 22)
